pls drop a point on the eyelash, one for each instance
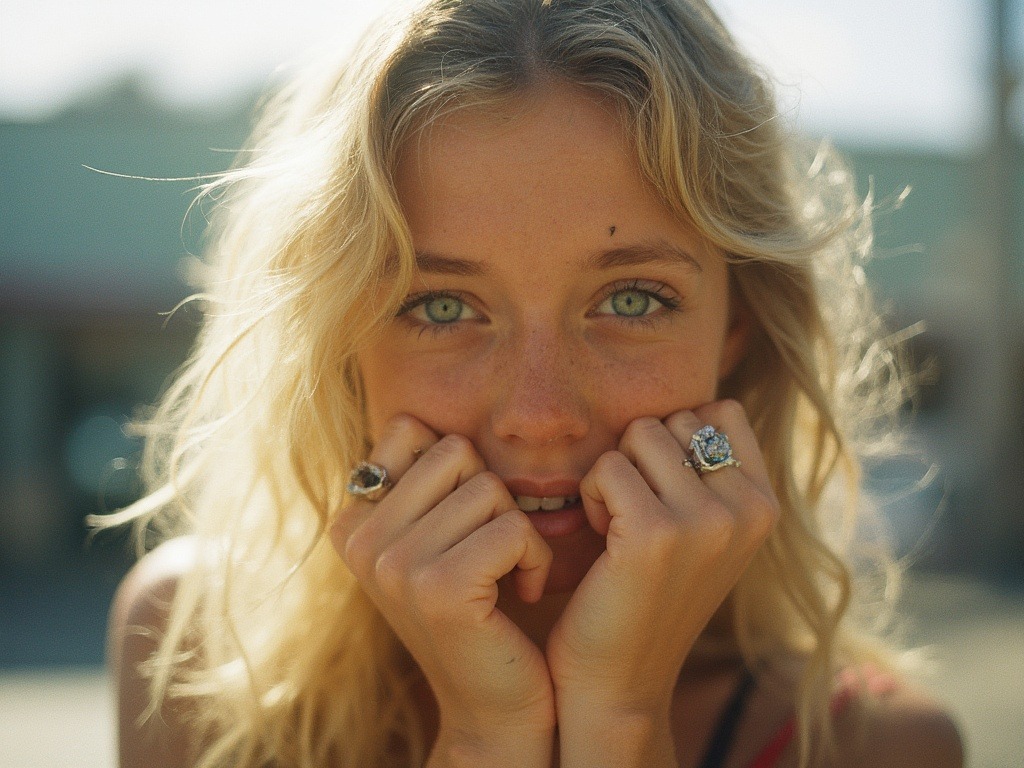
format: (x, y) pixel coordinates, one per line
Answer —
(418, 299)
(657, 291)
(660, 292)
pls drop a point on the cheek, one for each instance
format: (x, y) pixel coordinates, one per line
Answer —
(446, 398)
(675, 378)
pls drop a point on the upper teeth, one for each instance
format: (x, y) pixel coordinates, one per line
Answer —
(547, 503)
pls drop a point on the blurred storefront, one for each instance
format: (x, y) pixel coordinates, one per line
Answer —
(95, 245)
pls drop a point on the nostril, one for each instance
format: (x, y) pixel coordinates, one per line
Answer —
(540, 426)
(539, 400)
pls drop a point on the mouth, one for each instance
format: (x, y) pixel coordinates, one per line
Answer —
(554, 516)
(553, 504)
(545, 503)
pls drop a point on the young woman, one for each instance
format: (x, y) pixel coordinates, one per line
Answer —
(524, 422)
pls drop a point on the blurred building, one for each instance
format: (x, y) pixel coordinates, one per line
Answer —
(90, 263)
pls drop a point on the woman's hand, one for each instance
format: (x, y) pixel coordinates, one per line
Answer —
(429, 554)
(677, 544)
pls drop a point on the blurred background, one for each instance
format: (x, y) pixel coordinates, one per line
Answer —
(924, 94)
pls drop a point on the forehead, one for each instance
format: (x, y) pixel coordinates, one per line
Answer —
(545, 124)
(530, 142)
(552, 172)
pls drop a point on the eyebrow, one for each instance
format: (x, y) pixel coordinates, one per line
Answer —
(437, 264)
(653, 252)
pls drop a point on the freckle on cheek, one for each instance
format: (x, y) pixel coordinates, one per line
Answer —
(445, 401)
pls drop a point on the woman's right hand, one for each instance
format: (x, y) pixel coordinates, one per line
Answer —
(429, 554)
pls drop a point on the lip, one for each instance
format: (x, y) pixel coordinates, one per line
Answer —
(518, 486)
(551, 524)
(559, 522)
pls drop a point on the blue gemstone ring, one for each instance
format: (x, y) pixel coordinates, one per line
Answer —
(710, 451)
(368, 480)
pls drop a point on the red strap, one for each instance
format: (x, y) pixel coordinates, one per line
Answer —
(769, 756)
(851, 682)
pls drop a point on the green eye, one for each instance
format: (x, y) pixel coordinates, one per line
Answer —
(638, 301)
(437, 311)
(631, 303)
(443, 309)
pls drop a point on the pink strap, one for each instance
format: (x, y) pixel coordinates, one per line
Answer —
(851, 682)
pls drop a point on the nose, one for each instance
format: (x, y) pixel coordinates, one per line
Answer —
(542, 397)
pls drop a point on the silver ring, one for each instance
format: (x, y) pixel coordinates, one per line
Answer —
(368, 480)
(710, 451)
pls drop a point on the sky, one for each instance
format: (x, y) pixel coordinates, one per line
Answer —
(865, 72)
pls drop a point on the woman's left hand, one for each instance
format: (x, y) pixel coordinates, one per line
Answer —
(677, 543)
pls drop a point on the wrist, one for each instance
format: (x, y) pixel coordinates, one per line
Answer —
(615, 699)
(621, 736)
(512, 746)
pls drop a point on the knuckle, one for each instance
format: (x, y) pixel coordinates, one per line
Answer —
(486, 485)
(391, 570)
(733, 407)
(455, 446)
(402, 425)
(727, 410)
(682, 424)
(517, 522)
(717, 526)
(457, 450)
(453, 453)
(610, 463)
(664, 535)
(640, 428)
(431, 590)
(340, 530)
(356, 551)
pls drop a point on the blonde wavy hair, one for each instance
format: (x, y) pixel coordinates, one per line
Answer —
(285, 658)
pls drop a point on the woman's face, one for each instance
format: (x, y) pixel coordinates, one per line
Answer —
(556, 300)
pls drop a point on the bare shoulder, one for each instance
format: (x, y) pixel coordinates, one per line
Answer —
(138, 620)
(151, 582)
(903, 728)
(881, 721)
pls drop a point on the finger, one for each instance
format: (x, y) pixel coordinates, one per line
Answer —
(658, 455)
(443, 468)
(507, 543)
(729, 418)
(734, 422)
(612, 489)
(482, 498)
(746, 490)
(403, 440)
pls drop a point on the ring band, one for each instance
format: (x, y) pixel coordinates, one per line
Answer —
(710, 451)
(368, 480)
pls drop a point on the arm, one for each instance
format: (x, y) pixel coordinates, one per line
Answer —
(138, 619)
(676, 543)
(598, 737)
(429, 554)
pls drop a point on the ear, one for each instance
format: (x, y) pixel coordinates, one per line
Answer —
(737, 334)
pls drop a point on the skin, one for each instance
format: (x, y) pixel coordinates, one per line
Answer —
(544, 373)
(541, 378)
